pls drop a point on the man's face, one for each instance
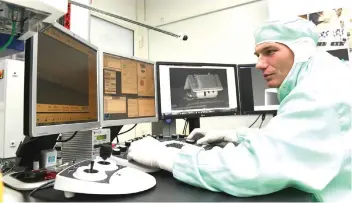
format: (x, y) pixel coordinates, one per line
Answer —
(275, 60)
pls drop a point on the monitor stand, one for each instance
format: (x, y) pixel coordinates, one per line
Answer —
(28, 151)
(168, 127)
(193, 123)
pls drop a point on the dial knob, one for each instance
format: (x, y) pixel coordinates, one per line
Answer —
(116, 151)
(182, 136)
(123, 148)
(174, 136)
(128, 143)
(160, 136)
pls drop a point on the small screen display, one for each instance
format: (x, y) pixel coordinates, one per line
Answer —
(100, 137)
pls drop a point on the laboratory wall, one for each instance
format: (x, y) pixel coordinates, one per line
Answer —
(219, 32)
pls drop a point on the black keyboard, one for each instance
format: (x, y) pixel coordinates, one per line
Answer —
(175, 145)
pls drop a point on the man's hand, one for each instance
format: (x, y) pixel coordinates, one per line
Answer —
(150, 152)
(213, 136)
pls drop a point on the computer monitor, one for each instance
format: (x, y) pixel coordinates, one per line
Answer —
(193, 90)
(61, 89)
(254, 94)
(127, 90)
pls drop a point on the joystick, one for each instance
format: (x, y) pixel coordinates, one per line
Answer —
(91, 170)
(105, 151)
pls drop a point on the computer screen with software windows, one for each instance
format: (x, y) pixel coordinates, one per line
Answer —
(255, 95)
(61, 91)
(127, 90)
(196, 89)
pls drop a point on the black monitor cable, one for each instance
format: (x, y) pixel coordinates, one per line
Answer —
(185, 126)
(127, 130)
(254, 122)
(263, 118)
(68, 139)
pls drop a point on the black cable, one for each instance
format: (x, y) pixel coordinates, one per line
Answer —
(127, 130)
(261, 123)
(254, 122)
(185, 126)
(70, 138)
(45, 184)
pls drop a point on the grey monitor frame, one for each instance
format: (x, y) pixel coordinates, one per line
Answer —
(37, 131)
(121, 122)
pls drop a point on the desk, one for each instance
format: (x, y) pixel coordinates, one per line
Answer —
(167, 189)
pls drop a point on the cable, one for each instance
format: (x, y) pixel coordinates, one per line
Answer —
(11, 37)
(185, 126)
(45, 184)
(127, 130)
(263, 118)
(183, 37)
(70, 138)
(254, 122)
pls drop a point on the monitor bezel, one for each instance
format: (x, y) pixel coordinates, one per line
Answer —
(129, 121)
(269, 110)
(196, 115)
(37, 131)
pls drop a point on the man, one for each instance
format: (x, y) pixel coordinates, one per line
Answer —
(306, 146)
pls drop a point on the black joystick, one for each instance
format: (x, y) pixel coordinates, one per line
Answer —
(91, 170)
(105, 152)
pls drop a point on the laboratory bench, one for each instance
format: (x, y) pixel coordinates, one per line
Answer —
(167, 189)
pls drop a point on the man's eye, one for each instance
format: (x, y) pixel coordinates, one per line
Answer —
(270, 52)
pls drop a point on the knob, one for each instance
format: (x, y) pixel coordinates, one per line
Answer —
(116, 151)
(123, 148)
(174, 136)
(105, 151)
(190, 141)
(182, 136)
(128, 143)
(160, 136)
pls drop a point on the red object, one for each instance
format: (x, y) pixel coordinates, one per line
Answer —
(67, 17)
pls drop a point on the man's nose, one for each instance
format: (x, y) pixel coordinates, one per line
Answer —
(261, 64)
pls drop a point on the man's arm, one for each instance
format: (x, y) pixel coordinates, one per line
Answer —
(301, 146)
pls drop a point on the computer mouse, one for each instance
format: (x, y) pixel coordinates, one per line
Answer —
(195, 138)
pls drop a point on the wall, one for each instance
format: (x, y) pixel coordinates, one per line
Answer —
(219, 31)
(281, 8)
(80, 20)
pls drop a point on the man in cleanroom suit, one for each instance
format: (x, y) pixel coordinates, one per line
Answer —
(306, 146)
